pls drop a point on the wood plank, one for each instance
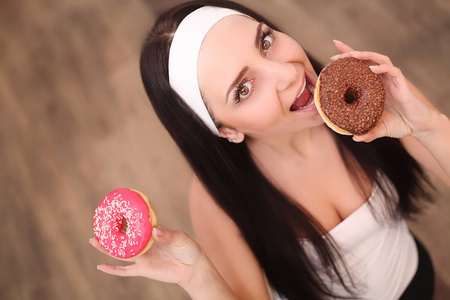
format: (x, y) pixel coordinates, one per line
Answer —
(75, 123)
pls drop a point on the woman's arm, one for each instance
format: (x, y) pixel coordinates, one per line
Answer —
(222, 241)
(174, 258)
(421, 153)
(407, 115)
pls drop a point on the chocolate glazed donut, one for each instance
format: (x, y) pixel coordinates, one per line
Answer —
(349, 96)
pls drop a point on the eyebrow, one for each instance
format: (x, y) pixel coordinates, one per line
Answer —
(258, 34)
(245, 69)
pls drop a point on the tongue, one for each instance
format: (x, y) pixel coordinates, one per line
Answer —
(301, 101)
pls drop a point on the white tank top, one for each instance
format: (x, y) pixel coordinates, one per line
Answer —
(379, 252)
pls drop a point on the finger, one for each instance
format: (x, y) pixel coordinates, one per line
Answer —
(94, 242)
(364, 138)
(396, 74)
(176, 238)
(342, 55)
(343, 48)
(124, 271)
(377, 58)
(391, 70)
(377, 132)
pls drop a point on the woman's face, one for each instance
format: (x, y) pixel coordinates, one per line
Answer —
(255, 80)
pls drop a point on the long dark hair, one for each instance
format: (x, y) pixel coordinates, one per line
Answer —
(230, 175)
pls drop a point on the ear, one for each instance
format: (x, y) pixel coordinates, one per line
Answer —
(231, 134)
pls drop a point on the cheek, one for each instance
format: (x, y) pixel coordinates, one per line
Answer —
(289, 49)
(265, 113)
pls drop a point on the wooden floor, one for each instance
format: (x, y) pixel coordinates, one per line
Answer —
(75, 123)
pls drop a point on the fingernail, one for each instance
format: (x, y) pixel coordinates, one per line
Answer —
(337, 41)
(98, 267)
(335, 56)
(90, 241)
(159, 231)
(357, 138)
(354, 52)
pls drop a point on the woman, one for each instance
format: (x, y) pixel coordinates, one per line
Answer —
(276, 195)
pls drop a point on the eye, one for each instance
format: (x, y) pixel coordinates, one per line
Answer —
(267, 42)
(244, 90)
(267, 39)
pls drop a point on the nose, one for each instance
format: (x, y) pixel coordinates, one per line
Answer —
(284, 74)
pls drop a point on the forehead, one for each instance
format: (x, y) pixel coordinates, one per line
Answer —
(224, 50)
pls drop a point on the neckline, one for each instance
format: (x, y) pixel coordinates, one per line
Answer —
(355, 213)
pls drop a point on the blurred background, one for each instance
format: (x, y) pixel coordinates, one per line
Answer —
(75, 123)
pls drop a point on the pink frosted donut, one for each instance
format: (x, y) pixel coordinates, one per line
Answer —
(123, 223)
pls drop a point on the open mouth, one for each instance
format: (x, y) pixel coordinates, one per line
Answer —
(305, 97)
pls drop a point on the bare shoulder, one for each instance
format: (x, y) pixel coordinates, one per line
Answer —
(222, 241)
(198, 195)
(208, 219)
(203, 208)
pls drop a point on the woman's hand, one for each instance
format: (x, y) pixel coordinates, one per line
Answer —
(404, 113)
(407, 113)
(173, 258)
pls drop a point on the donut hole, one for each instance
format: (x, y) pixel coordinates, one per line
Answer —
(124, 226)
(350, 96)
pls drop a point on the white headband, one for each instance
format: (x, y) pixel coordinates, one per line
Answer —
(183, 57)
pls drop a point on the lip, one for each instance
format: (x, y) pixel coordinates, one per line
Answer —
(302, 97)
